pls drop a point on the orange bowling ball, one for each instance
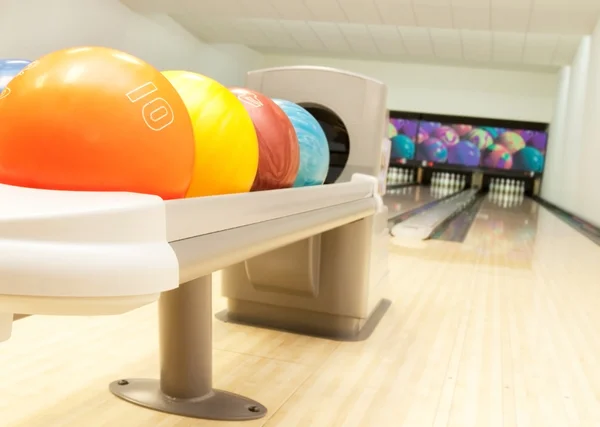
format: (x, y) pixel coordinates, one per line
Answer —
(95, 119)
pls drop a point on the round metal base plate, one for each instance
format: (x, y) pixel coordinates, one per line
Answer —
(218, 405)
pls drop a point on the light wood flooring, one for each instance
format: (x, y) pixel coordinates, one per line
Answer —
(500, 331)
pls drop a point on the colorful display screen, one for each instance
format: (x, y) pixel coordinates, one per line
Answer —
(468, 145)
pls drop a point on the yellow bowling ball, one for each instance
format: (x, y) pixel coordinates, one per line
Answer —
(226, 142)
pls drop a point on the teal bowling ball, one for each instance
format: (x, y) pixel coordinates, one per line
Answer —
(314, 147)
(529, 159)
(403, 147)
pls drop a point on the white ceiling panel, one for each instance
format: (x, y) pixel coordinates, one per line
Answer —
(433, 16)
(512, 4)
(565, 20)
(292, 10)
(252, 33)
(388, 40)
(207, 31)
(434, 3)
(217, 8)
(361, 11)
(417, 41)
(497, 32)
(326, 10)
(256, 9)
(278, 35)
(396, 12)
(471, 4)
(510, 19)
(331, 36)
(359, 38)
(471, 18)
(575, 4)
(304, 35)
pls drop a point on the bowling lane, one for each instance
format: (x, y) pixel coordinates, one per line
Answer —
(505, 229)
(519, 304)
(522, 234)
(405, 199)
(539, 277)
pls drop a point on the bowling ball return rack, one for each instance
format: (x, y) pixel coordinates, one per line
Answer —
(102, 253)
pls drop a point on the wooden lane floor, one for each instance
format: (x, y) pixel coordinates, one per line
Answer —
(501, 330)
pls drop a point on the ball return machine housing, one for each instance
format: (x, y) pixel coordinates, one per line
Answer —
(102, 253)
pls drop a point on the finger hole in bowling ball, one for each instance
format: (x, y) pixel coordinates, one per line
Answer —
(337, 138)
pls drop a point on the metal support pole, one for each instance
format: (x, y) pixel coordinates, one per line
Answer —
(185, 385)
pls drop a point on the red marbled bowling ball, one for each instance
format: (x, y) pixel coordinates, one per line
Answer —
(278, 149)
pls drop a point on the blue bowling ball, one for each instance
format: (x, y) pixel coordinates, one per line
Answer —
(432, 150)
(465, 153)
(9, 68)
(314, 147)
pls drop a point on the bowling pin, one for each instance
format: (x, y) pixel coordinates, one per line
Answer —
(509, 200)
